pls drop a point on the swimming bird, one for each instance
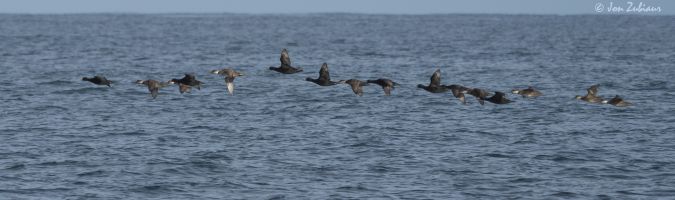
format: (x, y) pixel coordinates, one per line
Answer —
(153, 86)
(617, 101)
(286, 67)
(387, 85)
(498, 98)
(189, 80)
(98, 80)
(590, 97)
(529, 92)
(229, 75)
(435, 83)
(357, 85)
(480, 94)
(324, 77)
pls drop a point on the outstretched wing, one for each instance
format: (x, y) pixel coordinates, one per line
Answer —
(153, 91)
(358, 90)
(229, 81)
(461, 98)
(182, 88)
(323, 73)
(436, 78)
(285, 59)
(387, 90)
(153, 87)
(456, 92)
(593, 90)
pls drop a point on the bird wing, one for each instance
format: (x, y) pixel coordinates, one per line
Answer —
(593, 90)
(387, 90)
(358, 90)
(456, 92)
(285, 59)
(183, 88)
(229, 82)
(323, 73)
(436, 78)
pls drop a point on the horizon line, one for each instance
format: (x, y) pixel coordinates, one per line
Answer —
(327, 13)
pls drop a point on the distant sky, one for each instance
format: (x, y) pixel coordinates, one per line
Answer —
(562, 7)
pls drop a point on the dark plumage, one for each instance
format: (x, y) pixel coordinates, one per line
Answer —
(286, 67)
(153, 86)
(189, 80)
(529, 92)
(357, 85)
(435, 83)
(387, 85)
(591, 95)
(182, 88)
(498, 98)
(229, 75)
(324, 77)
(480, 94)
(98, 80)
(618, 101)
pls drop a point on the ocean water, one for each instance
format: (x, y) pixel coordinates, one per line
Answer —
(280, 137)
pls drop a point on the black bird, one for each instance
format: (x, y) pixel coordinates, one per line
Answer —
(98, 80)
(591, 95)
(529, 92)
(286, 67)
(324, 77)
(498, 98)
(357, 85)
(387, 85)
(618, 102)
(229, 75)
(182, 88)
(189, 80)
(153, 86)
(435, 84)
(480, 94)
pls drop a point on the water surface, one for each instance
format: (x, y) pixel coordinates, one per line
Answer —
(280, 137)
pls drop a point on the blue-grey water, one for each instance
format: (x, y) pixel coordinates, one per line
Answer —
(280, 137)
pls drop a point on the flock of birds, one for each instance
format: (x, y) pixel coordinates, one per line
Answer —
(186, 83)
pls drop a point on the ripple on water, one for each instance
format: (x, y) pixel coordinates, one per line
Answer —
(281, 137)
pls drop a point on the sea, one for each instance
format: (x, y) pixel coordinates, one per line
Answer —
(281, 137)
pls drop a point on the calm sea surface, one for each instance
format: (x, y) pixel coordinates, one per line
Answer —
(280, 137)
